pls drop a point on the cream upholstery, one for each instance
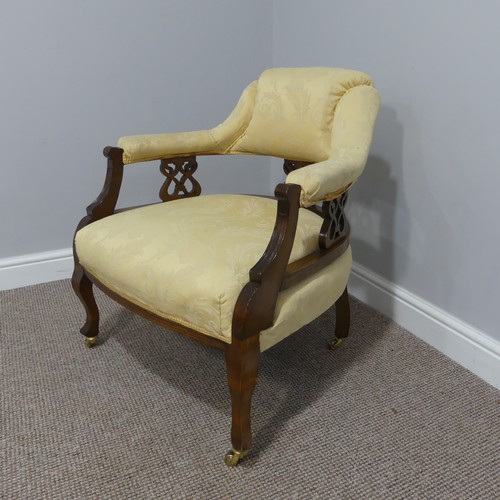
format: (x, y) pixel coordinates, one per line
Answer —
(293, 112)
(351, 139)
(322, 115)
(141, 255)
(307, 300)
(217, 140)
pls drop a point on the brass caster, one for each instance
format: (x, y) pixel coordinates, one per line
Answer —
(90, 341)
(335, 343)
(233, 457)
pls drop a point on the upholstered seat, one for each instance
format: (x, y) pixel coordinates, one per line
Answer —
(237, 272)
(141, 255)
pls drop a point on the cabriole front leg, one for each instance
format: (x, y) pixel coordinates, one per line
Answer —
(242, 361)
(253, 313)
(84, 291)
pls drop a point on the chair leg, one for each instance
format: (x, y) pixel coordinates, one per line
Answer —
(83, 289)
(342, 321)
(242, 361)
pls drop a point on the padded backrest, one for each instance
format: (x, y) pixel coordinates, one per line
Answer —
(293, 112)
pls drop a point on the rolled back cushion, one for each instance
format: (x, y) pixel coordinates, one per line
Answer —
(293, 112)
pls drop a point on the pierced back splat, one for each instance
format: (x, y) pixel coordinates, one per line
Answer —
(179, 173)
(335, 225)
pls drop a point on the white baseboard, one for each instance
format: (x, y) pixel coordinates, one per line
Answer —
(32, 269)
(461, 342)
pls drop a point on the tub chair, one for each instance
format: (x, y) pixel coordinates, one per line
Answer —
(237, 272)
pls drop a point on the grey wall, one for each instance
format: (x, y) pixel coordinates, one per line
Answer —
(75, 76)
(425, 213)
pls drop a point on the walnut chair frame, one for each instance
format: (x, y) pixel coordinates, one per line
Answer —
(256, 303)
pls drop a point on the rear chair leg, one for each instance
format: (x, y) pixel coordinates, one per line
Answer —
(242, 361)
(83, 289)
(342, 322)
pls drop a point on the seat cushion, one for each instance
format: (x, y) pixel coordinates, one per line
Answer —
(187, 260)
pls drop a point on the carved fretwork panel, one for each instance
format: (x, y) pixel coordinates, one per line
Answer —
(180, 182)
(335, 225)
(289, 165)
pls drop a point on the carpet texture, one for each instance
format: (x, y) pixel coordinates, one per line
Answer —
(145, 414)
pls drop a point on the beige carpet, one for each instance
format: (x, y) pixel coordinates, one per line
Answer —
(146, 413)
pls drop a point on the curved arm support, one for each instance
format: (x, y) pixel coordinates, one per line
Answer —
(254, 308)
(275, 258)
(105, 203)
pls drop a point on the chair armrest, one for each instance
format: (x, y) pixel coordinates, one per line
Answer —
(352, 127)
(328, 179)
(138, 148)
(217, 140)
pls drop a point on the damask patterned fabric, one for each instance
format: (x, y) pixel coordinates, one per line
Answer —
(187, 260)
(217, 140)
(293, 113)
(321, 115)
(353, 125)
(306, 301)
